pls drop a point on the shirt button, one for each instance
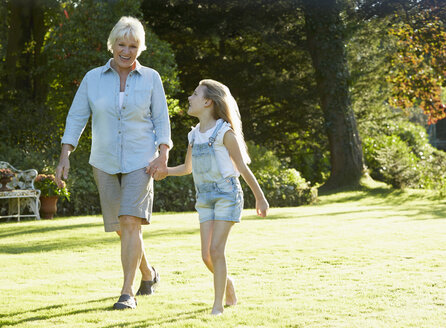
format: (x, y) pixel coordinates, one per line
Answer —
(119, 132)
(119, 118)
(123, 107)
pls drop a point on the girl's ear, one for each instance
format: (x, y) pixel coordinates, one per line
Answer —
(208, 103)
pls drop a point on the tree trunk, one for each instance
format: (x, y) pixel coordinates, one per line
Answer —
(40, 84)
(24, 59)
(19, 34)
(324, 31)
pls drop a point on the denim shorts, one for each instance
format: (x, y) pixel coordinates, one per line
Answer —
(221, 200)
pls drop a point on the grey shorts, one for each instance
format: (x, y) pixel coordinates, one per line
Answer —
(124, 194)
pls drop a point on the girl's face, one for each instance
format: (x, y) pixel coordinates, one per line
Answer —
(197, 102)
(125, 51)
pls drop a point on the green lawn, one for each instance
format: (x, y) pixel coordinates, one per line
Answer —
(373, 258)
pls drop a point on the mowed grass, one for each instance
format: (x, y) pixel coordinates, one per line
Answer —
(370, 258)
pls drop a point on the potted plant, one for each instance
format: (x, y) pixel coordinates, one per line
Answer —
(49, 194)
(6, 176)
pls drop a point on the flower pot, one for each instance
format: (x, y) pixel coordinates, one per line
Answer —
(48, 206)
(4, 181)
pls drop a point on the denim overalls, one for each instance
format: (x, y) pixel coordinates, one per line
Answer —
(218, 198)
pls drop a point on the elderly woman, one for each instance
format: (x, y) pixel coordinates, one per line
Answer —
(130, 146)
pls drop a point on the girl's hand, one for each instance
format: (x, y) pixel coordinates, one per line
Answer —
(157, 168)
(262, 207)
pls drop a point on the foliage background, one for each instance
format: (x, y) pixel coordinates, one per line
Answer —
(259, 49)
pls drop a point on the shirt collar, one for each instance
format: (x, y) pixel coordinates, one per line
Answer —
(107, 67)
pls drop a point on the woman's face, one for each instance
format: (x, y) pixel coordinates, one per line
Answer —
(197, 102)
(125, 51)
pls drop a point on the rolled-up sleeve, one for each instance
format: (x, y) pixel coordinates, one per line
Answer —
(160, 113)
(78, 116)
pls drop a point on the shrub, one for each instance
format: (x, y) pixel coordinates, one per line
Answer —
(282, 186)
(402, 156)
(47, 185)
(174, 194)
(434, 171)
(390, 160)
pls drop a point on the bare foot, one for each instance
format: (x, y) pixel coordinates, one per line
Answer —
(231, 298)
(217, 311)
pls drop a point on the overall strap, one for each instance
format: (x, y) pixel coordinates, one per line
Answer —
(193, 140)
(212, 137)
(193, 137)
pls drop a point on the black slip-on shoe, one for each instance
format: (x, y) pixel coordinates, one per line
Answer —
(125, 301)
(148, 287)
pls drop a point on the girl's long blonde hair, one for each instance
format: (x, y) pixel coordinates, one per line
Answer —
(226, 108)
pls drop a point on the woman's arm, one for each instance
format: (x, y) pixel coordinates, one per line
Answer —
(76, 121)
(231, 143)
(160, 112)
(182, 169)
(78, 115)
(160, 119)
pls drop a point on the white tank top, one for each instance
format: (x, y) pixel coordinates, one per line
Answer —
(226, 166)
(121, 99)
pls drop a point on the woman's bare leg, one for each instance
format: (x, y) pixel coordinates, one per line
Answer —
(144, 267)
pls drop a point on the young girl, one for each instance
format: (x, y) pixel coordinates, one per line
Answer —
(216, 156)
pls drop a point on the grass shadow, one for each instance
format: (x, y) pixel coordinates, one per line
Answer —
(77, 241)
(270, 217)
(177, 317)
(10, 318)
(20, 230)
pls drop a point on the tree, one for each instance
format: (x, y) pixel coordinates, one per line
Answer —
(72, 49)
(257, 48)
(75, 42)
(324, 30)
(27, 29)
(419, 65)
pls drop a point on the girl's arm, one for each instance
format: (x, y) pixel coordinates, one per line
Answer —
(182, 169)
(231, 143)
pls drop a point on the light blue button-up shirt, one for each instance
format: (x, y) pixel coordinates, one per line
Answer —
(123, 139)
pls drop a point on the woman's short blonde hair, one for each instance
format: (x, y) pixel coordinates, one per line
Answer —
(128, 26)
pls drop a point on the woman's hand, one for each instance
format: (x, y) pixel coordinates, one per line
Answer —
(63, 167)
(158, 167)
(62, 171)
(262, 207)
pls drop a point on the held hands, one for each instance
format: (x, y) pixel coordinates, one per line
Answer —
(262, 207)
(157, 168)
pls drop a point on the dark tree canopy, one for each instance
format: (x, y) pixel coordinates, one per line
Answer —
(304, 73)
(260, 50)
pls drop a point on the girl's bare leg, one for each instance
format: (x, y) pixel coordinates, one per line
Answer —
(214, 235)
(206, 230)
(231, 297)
